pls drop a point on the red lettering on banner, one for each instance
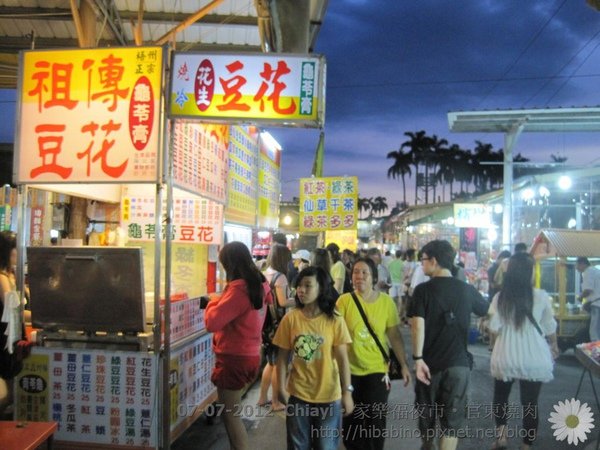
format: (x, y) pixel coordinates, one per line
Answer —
(102, 154)
(272, 77)
(50, 147)
(111, 74)
(60, 85)
(187, 232)
(231, 89)
(205, 234)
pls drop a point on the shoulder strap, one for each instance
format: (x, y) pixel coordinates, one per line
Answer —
(364, 317)
(534, 322)
(456, 327)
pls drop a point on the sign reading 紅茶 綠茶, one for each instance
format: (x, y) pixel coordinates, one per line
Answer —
(328, 203)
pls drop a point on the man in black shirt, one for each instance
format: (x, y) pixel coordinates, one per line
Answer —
(440, 317)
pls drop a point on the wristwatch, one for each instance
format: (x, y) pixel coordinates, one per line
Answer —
(416, 358)
(350, 388)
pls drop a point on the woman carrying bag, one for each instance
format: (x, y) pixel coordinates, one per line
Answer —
(368, 367)
(521, 318)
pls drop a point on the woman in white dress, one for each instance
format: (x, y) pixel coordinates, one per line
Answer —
(522, 320)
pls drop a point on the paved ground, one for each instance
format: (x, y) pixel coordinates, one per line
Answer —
(269, 432)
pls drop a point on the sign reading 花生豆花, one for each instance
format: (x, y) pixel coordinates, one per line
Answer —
(261, 88)
(328, 203)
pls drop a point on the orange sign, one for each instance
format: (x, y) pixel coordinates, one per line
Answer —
(89, 116)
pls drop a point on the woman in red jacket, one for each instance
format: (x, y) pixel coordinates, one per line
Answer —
(236, 319)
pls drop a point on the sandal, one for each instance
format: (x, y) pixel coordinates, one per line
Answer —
(499, 445)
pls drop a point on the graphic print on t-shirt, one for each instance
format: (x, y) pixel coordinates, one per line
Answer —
(306, 346)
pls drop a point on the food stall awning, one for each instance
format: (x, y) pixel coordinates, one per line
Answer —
(564, 243)
(532, 120)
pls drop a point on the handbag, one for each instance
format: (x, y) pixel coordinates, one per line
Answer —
(587, 306)
(539, 330)
(394, 366)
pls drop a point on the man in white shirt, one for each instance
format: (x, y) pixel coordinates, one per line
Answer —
(591, 293)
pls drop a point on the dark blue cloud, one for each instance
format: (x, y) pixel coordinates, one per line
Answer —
(401, 66)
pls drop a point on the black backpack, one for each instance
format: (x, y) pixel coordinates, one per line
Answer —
(273, 315)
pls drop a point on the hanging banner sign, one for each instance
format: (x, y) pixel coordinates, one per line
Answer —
(328, 203)
(263, 88)
(195, 220)
(269, 181)
(200, 156)
(242, 175)
(89, 115)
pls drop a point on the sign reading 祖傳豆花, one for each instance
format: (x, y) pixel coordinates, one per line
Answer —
(328, 203)
(262, 88)
(90, 115)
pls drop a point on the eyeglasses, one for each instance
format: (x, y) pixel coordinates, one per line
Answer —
(425, 259)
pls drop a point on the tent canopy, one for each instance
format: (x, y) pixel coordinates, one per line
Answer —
(566, 243)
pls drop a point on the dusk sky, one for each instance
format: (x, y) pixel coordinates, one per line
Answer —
(397, 66)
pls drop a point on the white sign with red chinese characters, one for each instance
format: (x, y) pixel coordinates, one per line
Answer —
(265, 88)
(195, 220)
(90, 115)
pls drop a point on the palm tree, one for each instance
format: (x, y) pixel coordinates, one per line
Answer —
(379, 204)
(365, 204)
(446, 173)
(482, 153)
(418, 144)
(401, 167)
(437, 152)
(558, 158)
(464, 169)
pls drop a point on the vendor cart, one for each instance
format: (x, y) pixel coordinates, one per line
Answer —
(556, 252)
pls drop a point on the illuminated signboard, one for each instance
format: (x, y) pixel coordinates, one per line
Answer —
(89, 115)
(472, 215)
(328, 203)
(262, 88)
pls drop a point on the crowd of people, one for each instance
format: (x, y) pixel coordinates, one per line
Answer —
(335, 309)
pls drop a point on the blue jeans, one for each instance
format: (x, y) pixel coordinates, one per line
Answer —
(313, 425)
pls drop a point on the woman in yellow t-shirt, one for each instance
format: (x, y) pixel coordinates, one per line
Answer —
(318, 390)
(369, 369)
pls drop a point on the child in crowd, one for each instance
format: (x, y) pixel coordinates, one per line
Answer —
(318, 389)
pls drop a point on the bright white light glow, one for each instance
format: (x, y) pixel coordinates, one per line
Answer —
(498, 208)
(287, 220)
(373, 222)
(565, 182)
(263, 234)
(544, 191)
(450, 220)
(572, 223)
(270, 141)
(527, 194)
(492, 235)
(54, 233)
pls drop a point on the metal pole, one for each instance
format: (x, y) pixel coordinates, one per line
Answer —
(510, 139)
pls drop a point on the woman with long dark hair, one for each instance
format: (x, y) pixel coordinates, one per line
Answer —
(521, 319)
(236, 319)
(277, 263)
(8, 260)
(318, 385)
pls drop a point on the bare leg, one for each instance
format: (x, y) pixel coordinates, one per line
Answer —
(4, 395)
(276, 404)
(236, 431)
(448, 443)
(265, 382)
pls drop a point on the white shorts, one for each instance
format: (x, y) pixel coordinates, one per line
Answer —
(396, 290)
